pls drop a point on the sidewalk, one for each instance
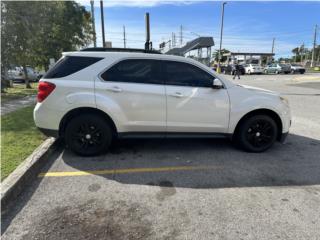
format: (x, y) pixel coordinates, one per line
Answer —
(17, 104)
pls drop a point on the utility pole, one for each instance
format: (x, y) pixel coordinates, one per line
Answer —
(173, 36)
(272, 49)
(314, 45)
(148, 43)
(181, 37)
(93, 24)
(124, 37)
(301, 52)
(221, 32)
(102, 24)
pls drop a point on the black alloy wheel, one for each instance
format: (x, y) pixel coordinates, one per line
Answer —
(88, 135)
(257, 133)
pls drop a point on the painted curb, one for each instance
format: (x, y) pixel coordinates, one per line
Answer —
(25, 173)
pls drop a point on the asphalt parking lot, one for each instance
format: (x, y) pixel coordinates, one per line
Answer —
(184, 188)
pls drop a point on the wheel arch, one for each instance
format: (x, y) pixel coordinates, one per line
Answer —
(262, 111)
(87, 110)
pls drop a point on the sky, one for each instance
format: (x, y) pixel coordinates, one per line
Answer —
(248, 25)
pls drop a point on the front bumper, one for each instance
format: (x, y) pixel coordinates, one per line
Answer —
(49, 132)
(283, 137)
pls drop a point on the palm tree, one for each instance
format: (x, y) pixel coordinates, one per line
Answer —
(295, 51)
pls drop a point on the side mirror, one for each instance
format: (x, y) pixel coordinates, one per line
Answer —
(217, 84)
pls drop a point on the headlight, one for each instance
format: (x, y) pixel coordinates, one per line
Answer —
(284, 100)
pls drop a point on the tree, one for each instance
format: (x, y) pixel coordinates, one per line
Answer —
(35, 31)
(295, 51)
(215, 55)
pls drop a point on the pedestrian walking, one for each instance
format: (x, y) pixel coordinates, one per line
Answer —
(237, 70)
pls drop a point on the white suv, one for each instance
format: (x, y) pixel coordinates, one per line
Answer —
(92, 97)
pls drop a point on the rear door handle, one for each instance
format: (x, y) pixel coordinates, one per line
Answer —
(114, 89)
(177, 94)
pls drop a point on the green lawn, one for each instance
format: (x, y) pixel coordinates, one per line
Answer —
(18, 91)
(19, 138)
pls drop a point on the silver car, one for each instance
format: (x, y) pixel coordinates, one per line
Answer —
(277, 68)
(17, 74)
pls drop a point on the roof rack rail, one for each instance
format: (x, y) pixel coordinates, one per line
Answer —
(102, 49)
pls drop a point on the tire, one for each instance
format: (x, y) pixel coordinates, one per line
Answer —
(88, 135)
(265, 71)
(257, 133)
(249, 72)
(277, 72)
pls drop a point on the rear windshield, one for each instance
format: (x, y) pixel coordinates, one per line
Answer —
(69, 65)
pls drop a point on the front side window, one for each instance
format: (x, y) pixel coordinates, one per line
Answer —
(134, 71)
(69, 65)
(184, 74)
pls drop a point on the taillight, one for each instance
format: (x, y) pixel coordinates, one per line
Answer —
(44, 90)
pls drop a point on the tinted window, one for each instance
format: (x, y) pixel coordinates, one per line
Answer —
(134, 71)
(184, 74)
(69, 65)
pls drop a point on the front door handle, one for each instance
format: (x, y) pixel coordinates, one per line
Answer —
(177, 94)
(114, 89)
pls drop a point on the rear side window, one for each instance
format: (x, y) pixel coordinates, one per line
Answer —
(134, 71)
(69, 65)
(184, 74)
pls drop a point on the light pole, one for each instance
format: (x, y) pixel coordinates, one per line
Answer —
(221, 32)
(102, 24)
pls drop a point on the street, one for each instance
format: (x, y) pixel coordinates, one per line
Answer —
(184, 188)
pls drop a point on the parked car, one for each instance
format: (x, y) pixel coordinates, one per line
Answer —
(297, 68)
(231, 69)
(17, 74)
(277, 68)
(253, 68)
(90, 98)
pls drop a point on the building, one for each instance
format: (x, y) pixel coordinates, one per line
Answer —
(247, 57)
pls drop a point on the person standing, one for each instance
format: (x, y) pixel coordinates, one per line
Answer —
(237, 70)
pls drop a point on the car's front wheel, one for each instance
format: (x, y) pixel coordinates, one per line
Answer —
(256, 133)
(88, 135)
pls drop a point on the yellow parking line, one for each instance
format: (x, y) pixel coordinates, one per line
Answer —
(128, 170)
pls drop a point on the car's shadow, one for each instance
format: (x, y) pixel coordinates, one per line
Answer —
(297, 162)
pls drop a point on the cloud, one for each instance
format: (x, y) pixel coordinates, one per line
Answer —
(137, 3)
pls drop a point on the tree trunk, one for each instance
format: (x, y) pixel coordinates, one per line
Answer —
(28, 85)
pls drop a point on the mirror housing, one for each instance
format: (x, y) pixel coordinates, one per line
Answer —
(217, 84)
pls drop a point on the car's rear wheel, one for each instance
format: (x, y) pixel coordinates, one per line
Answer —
(265, 71)
(256, 133)
(88, 135)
